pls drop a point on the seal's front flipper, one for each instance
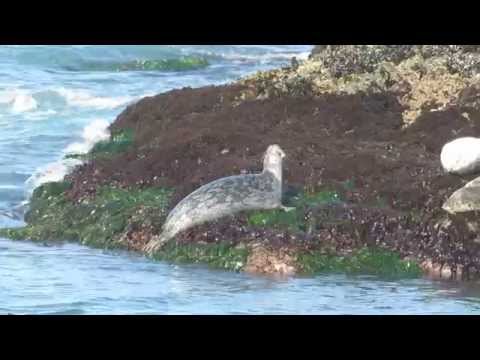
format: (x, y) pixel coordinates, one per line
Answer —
(286, 208)
(154, 245)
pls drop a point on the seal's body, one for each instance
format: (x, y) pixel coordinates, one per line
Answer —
(461, 156)
(227, 196)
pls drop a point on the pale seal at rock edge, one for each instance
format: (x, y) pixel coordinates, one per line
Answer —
(461, 156)
(227, 196)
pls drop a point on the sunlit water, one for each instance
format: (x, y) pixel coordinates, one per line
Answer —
(56, 99)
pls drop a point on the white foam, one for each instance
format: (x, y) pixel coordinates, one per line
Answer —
(51, 172)
(23, 101)
(8, 187)
(82, 98)
(19, 100)
(267, 57)
(94, 132)
(7, 96)
(259, 58)
(40, 114)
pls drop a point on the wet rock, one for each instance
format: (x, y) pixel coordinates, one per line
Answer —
(423, 79)
(461, 156)
(269, 261)
(437, 271)
(466, 199)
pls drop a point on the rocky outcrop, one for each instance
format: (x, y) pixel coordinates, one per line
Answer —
(267, 261)
(361, 125)
(423, 78)
(341, 60)
(353, 59)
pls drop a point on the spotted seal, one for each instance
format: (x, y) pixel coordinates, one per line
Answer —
(227, 196)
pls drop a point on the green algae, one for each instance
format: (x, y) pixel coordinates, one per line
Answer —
(219, 256)
(295, 219)
(184, 63)
(365, 261)
(100, 222)
(276, 218)
(349, 184)
(97, 222)
(180, 64)
(120, 141)
(51, 189)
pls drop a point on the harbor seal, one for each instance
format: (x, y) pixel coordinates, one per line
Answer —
(227, 196)
(461, 156)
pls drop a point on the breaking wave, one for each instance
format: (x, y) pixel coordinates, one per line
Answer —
(117, 58)
(94, 132)
(47, 102)
(180, 64)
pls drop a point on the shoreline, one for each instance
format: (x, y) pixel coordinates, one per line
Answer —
(363, 142)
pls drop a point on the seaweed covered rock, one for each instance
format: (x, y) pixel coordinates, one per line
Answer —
(423, 78)
(344, 60)
(112, 218)
(362, 127)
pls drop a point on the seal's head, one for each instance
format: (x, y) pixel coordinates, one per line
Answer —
(273, 158)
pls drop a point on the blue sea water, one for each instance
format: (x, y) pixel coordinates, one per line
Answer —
(59, 99)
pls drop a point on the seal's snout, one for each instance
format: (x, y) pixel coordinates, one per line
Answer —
(276, 151)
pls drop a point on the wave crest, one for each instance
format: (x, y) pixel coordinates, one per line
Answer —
(18, 101)
(94, 132)
(47, 102)
(185, 63)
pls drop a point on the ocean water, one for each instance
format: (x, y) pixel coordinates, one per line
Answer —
(60, 99)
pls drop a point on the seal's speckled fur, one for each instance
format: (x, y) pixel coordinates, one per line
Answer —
(227, 196)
